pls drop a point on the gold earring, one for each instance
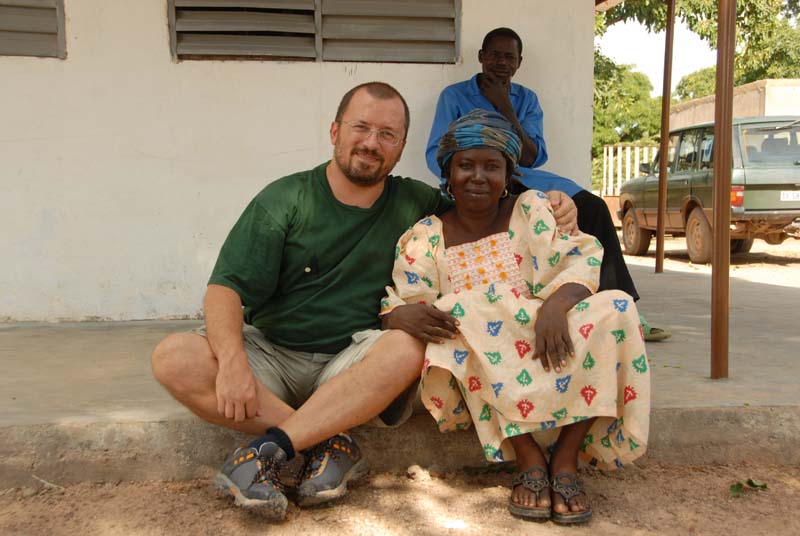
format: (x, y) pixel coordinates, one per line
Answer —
(448, 190)
(505, 194)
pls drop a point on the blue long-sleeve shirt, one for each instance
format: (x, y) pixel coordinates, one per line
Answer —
(463, 97)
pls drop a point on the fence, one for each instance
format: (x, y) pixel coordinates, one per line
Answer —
(621, 164)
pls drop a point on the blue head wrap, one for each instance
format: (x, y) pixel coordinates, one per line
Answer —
(479, 128)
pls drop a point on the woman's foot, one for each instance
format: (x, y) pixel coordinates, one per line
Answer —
(530, 493)
(570, 503)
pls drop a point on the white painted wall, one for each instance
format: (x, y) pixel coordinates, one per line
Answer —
(121, 172)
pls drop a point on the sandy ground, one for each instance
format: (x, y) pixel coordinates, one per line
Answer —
(774, 265)
(650, 499)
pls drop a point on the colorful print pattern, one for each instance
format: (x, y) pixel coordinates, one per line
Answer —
(487, 376)
(487, 260)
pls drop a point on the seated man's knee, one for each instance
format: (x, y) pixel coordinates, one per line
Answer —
(405, 349)
(172, 357)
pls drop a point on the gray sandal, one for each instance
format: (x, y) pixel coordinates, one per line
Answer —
(536, 484)
(568, 486)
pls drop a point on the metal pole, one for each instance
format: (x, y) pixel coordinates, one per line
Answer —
(723, 162)
(666, 94)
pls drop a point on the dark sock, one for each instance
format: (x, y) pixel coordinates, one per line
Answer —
(277, 436)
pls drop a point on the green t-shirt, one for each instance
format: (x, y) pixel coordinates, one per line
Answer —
(310, 270)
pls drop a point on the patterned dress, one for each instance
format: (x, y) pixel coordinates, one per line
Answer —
(486, 376)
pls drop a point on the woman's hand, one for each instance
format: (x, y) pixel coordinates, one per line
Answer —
(553, 343)
(425, 322)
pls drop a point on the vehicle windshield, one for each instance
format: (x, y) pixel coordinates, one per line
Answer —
(772, 143)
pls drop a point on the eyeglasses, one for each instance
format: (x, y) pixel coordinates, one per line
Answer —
(385, 136)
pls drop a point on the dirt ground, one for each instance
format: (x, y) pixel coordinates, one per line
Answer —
(639, 500)
(775, 265)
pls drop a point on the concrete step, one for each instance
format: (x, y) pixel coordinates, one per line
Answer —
(188, 448)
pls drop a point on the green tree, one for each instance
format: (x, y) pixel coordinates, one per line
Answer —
(697, 84)
(624, 111)
(767, 34)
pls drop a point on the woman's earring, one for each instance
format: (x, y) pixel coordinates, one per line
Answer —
(505, 193)
(448, 190)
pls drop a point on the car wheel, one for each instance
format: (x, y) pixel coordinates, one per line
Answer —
(741, 245)
(699, 240)
(635, 239)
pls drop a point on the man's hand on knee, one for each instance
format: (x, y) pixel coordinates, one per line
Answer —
(236, 390)
(564, 211)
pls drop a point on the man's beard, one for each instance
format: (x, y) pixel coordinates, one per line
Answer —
(361, 177)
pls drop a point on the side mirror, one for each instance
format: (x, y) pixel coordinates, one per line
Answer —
(644, 167)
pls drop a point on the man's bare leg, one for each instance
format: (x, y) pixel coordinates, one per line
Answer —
(185, 365)
(359, 393)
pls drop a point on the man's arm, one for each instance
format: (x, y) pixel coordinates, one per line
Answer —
(236, 385)
(531, 117)
(446, 112)
(564, 211)
(246, 273)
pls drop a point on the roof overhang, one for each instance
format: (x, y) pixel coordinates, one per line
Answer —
(605, 5)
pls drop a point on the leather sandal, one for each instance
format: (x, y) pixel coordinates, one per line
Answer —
(651, 333)
(535, 480)
(568, 486)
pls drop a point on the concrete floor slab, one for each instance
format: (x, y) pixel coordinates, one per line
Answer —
(77, 400)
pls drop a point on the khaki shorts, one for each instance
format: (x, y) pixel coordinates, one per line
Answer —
(293, 376)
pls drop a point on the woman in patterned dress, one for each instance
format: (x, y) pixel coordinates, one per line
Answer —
(493, 286)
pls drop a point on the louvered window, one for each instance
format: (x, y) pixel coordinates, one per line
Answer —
(32, 28)
(419, 31)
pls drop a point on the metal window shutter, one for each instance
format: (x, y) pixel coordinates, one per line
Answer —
(32, 28)
(391, 8)
(420, 31)
(243, 28)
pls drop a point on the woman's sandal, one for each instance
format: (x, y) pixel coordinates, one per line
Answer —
(568, 486)
(536, 484)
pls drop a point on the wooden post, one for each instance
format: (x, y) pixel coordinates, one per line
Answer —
(619, 169)
(603, 191)
(666, 94)
(636, 162)
(723, 162)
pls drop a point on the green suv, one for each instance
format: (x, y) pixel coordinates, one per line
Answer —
(765, 188)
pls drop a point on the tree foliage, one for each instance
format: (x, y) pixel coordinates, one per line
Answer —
(624, 111)
(767, 34)
(697, 84)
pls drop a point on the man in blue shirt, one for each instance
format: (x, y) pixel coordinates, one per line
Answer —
(491, 89)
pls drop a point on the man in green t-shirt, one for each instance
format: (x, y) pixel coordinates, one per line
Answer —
(307, 262)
